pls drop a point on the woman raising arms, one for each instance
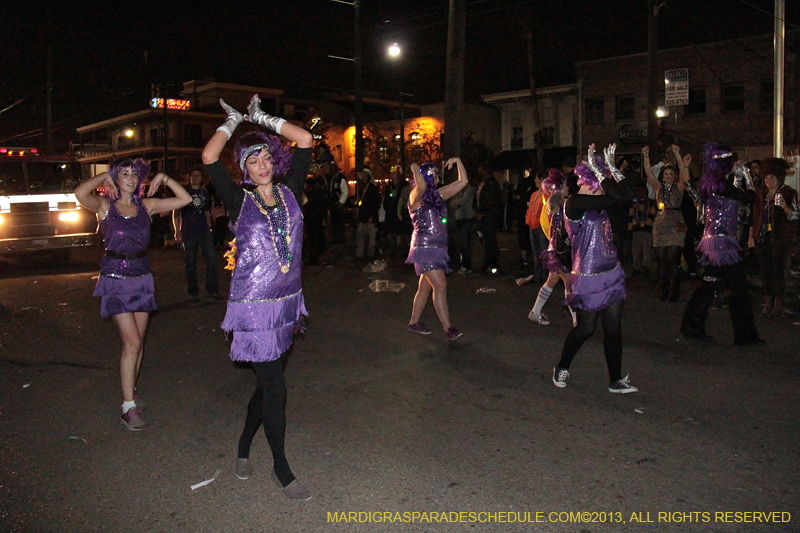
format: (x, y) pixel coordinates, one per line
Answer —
(266, 304)
(428, 250)
(125, 285)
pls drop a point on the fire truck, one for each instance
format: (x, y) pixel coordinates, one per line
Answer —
(38, 209)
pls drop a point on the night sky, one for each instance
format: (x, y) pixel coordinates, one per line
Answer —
(107, 53)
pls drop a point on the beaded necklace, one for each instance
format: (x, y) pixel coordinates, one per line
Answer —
(280, 225)
(665, 202)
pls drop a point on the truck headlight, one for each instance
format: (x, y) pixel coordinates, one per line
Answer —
(70, 216)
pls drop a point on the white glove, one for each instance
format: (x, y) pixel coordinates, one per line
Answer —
(609, 156)
(256, 116)
(234, 119)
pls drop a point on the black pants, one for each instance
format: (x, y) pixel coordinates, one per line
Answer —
(487, 225)
(772, 256)
(206, 245)
(268, 407)
(717, 278)
(337, 222)
(669, 261)
(611, 317)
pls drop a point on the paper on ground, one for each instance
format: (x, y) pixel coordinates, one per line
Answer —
(206, 482)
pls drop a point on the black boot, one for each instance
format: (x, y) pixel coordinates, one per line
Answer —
(664, 289)
(675, 293)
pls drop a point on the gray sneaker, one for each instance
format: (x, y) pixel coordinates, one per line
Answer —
(244, 468)
(560, 376)
(622, 386)
(294, 490)
(133, 420)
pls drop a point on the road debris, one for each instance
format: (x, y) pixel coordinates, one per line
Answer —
(206, 482)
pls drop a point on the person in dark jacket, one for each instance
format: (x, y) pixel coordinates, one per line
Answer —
(315, 213)
(488, 207)
(368, 203)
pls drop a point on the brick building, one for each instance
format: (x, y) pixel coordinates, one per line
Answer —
(730, 97)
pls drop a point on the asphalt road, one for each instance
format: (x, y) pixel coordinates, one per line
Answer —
(384, 421)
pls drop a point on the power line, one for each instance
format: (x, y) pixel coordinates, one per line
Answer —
(768, 13)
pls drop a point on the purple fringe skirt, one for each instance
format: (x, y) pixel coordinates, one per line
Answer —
(125, 295)
(720, 250)
(427, 259)
(595, 292)
(552, 262)
(263, 330)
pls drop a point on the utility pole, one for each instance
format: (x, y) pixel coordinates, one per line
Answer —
(780, 28)
(454, 82)
(536, 119)
(359, 105)
(49, 99)
(653, 78)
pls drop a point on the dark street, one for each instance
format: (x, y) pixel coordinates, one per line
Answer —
(383, 421)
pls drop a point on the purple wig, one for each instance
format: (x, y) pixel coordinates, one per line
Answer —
(281, 159)
(587, 177)
(429, 172)
(554, 181)
(140, 166)
(719, 160)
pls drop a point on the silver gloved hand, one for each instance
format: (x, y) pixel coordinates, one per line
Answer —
(257, 116)
(234, 119)
(741, 176)
(593, 165)
(609, 156)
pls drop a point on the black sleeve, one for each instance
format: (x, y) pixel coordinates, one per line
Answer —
(578, 204)
(231, 193)
(735, 193)
(296, 176)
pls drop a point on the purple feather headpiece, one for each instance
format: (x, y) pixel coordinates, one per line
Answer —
(719, 161)
(281, 159)
(139, 165)
(429, 172)
(554, 181)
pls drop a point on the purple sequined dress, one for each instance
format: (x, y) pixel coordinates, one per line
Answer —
(265, 304)
(549, 257)
(719, 245)
(429, 240)
(597, 279)
(125, 285)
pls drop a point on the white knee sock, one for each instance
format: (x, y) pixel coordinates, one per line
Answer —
(574, 317)
(544, 295)
(127, 406)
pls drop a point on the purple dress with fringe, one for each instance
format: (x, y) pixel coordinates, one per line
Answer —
(719, 245)
(597, 278)
(125, 285)
(428, 249)
(549, 257)
(265, 304)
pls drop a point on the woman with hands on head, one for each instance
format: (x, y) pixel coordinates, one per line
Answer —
(669, 228)
(266, 304)
(428, 252)
(125, 285)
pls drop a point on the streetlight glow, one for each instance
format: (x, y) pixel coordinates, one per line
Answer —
(128, 133)
(394, 50)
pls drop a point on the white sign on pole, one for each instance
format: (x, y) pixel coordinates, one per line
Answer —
(676, 87)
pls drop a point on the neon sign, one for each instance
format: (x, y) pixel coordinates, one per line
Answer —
(172, 103)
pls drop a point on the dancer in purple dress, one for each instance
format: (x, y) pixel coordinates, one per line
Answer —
(265, 305)
(125, 285)
(428, 250)
(597, 283)
(557, 253)
(723, 267)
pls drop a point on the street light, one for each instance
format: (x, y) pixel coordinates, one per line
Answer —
(394, 53)
(127, 133)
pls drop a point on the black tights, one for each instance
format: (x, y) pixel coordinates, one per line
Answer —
(669, 261)
(268, 406)
(611, 317)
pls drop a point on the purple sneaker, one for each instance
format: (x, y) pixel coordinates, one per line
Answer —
(419, 327)
(453, 333)
(133, 420)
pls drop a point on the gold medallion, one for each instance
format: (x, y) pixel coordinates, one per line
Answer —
(285, 269)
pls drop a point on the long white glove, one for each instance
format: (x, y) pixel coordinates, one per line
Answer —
(593, 165)
(234, 119)
(609, 156)
(742, 179)
(256, 116)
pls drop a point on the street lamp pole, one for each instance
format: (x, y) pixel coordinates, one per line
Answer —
(126, 132)
(394, 52)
